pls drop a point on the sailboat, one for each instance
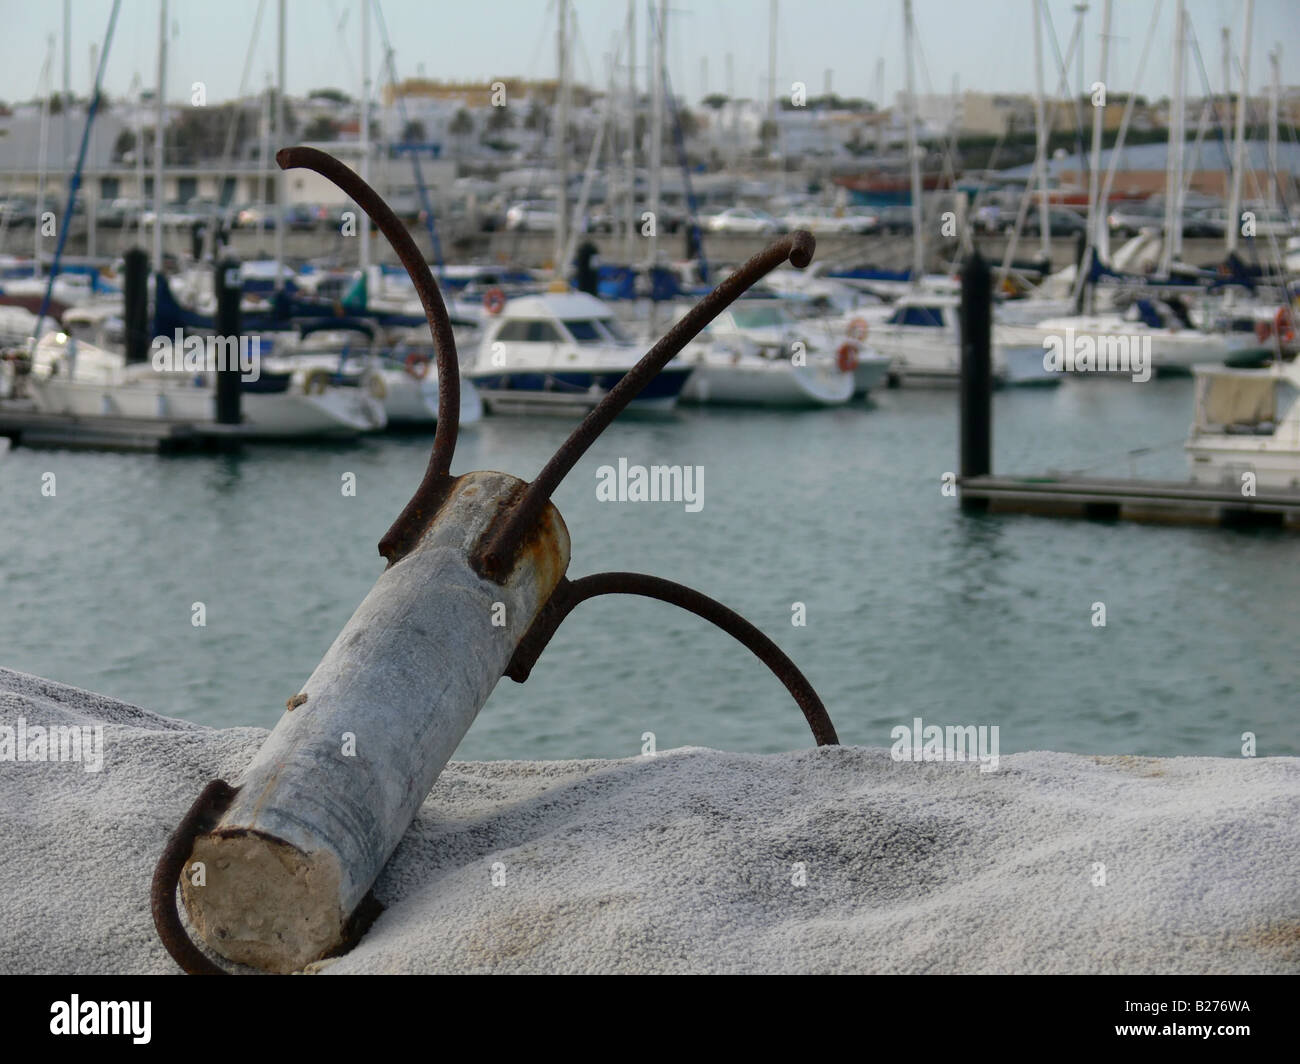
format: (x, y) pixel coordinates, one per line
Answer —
(1245, 431)
(79, 378)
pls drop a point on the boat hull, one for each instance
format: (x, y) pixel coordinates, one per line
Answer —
(571, 391)
(335, 413)
(758, 381)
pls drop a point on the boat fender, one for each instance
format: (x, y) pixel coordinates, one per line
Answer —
(847, 357)
(316, 382)
(1284, 325)
(857, 329)
(417, 365)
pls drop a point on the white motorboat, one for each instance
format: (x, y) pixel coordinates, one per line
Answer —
(753, 353)
(404, 379)
(1247, 421)
(561, 353)
(71, 376)
(921, 333)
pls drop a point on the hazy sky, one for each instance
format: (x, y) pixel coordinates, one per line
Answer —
(985, 44)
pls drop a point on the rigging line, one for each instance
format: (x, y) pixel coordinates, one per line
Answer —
(1063, 86)
(75, 183)
(340, 21)
(425, 203)
(236, 115)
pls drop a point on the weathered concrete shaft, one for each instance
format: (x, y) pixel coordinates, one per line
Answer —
(339, 779)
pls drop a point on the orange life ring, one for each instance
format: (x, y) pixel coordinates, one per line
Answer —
(417, 365)
(847, 357)
(1284, 325)
(1263, 330)
(494, 300)
(858, 329)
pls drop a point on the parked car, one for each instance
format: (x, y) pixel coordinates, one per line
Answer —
(1206, 223)
(1267, 221)
(175, 215)
(119, 213)
(532, 216)
(301, 216)
(255, 216)
(1060, 220)
(1129, 219)
(827, 220)
(989, 218)
(741, 220)
(18, 212)
(896, 219)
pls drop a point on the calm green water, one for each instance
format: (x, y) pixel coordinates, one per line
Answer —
(912, 608)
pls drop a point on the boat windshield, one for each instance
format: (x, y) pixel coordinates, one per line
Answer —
(584, 331)
(615, 331)
(758, 317)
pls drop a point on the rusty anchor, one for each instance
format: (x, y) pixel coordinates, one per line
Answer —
(288, 856)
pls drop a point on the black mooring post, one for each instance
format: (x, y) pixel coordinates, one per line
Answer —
(229, 290)
(976, 371)
(135, 304)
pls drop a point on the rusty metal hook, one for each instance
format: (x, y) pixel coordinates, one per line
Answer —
(205, 812)
(424, 503)
(570, 593)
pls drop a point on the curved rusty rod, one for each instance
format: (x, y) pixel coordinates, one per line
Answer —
(493, 559)
(209, 805)
(424, 503)
(570, 593)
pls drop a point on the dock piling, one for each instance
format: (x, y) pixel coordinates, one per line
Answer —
(135, 305)
(229, 290)
(976, 372)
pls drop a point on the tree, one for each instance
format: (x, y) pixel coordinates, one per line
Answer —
(767, 134)
(500, 119)
(716, 101)
(537, 117)
(333, 95)
(124, 145)
(462, 122)
(413, 132)
(321, 128)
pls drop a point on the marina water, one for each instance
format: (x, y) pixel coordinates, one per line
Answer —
(912, 609)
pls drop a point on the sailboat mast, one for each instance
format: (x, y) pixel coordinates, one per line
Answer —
(365, 132)
(914, 160)
(281, 176)
(1274, 100)
(1174, 162)
(658, 19)
(1040, 125)
(159, 138)
(1098, 121)
(561, 133)
(1233, 229)
(629, 240)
